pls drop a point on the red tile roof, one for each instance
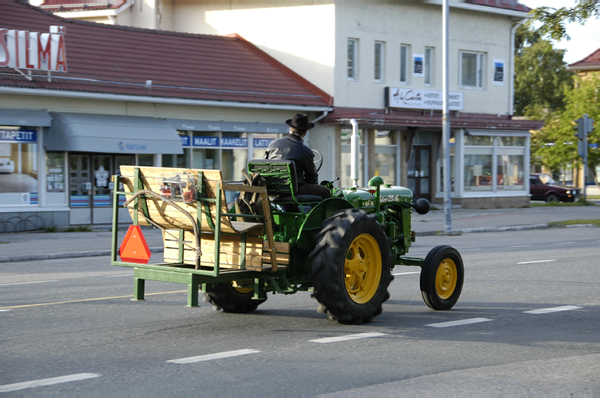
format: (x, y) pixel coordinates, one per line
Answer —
(392, 118)
(592, 61)
(108, 59)
(504, 4)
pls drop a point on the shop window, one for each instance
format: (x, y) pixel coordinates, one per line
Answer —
(478, 172)
(55, 172)
(18, 166)
(386, 155)
(145, 159)
(511, 172)
(471, 69)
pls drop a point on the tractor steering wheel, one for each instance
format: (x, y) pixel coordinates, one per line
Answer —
(318, 159)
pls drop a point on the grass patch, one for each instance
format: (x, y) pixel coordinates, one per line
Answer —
(574, 222)
(562, 204)
(81, 228)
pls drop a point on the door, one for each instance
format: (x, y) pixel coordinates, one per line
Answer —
(419, 171)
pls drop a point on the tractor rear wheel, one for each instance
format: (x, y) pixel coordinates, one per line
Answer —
(442, 277)
(231, 297)
(351, 267)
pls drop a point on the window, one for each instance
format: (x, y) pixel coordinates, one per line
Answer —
(379, 60)
(471, 69)
(428, 67)
(404, 57)
(352, 59)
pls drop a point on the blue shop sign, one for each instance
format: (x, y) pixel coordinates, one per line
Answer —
(262, 142)
(185, 140)
(234, 142)
(18, 135)
(206, 141)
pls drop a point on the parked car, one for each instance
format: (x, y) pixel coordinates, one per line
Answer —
(543, 187)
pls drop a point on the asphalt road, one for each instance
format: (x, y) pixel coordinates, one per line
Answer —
(527, 323)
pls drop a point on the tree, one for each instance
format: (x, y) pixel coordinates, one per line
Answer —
(555, 145)
(553, 20)
(541, 74)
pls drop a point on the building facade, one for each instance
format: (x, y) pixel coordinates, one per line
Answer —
(79, 99)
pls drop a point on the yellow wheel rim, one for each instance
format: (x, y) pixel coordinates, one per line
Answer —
(362, 268)
(445, 279)
(239, 288)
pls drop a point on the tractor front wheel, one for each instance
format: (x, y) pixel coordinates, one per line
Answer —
(442, 277)
(232, 297)
(351, 267)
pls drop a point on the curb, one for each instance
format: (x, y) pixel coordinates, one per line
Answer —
(55, 256)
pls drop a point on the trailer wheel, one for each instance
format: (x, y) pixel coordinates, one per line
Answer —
(230, 298)
(442, 277)
(351, 267)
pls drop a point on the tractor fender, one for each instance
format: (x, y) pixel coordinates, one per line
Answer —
(314, 221)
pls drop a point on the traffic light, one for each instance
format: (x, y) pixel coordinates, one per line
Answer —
(581, 127)
(584, 126)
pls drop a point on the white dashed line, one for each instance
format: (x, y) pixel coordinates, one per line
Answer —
(517, 246)
(554, 309)
(565, 243)
(27, 283)
(47, 382)
(209, 357)
(535, 262)
(347, 337)
(4, 310)
(458, 323)
(407, 273)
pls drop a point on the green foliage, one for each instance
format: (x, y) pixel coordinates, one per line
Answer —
(81, 228)
(553, 20)
(555, 145)
(541, 74)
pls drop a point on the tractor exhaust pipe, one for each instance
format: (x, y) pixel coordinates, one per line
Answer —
(354, 153)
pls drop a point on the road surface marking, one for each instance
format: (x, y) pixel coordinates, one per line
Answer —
(117, 275)
(458, 323)
(26, 283)
(47, 382)
(553, 309)
(209, 357)
(518, 246)
(535, 262)
(565, 243)
(347, 337)
(407, 273)
(90, 299)
(4, 310)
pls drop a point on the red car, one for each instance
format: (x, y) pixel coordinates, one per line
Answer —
(543, 187)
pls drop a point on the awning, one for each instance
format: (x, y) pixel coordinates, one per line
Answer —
(243, 127)
(111, 134)
(24, 118)
(499, 133)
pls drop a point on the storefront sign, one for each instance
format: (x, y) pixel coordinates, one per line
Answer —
(18, 135)
(132, 146)
(234, 142)
(262, 142)
(421, 99)
(22, 49)
(185, 140)
(206, 141)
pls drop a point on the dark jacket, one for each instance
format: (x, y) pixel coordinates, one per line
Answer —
(292, 148)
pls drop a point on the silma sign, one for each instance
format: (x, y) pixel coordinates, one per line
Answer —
(421, 99)
(34, 50)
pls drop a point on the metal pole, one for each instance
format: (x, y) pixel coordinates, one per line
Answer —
(585, 155)
(446, 124)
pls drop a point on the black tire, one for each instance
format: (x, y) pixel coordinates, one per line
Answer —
(552, 198)
(351, 267)
(442, 277)
(226, 297)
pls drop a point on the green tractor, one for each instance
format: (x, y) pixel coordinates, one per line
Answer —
(272, 240)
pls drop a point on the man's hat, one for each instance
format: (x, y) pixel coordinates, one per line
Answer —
(300, 122)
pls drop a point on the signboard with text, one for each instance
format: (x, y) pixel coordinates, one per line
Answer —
(22, 49)
(421, 99)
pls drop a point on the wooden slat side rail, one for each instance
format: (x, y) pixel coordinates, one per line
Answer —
(167, 217)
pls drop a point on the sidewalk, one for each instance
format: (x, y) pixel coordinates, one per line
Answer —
(30, 246)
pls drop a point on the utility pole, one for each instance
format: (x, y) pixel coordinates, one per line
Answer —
(446, 123)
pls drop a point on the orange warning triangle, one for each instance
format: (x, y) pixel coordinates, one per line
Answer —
(134, 248)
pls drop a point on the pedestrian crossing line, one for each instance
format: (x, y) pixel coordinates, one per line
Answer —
(535, 262)
(407, 273)
(27, 283)
(458, 323)
(553, 309)
(210, 357)
(347, 337)
(47, 382)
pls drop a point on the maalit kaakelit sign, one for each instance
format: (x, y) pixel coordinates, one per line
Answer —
(21, 49)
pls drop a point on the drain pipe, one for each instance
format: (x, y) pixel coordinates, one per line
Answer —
(513, 31)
